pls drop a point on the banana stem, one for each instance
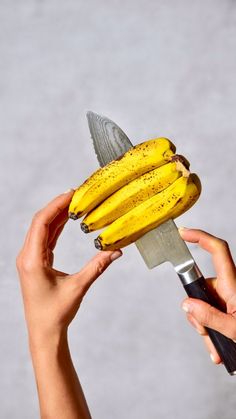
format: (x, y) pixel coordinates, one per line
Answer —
(182, 164)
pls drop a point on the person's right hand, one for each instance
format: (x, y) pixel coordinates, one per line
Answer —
(201, 314)
(51, 297)
(51, 300)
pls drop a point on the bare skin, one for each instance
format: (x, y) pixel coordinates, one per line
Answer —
(51, 300)
(201, 314)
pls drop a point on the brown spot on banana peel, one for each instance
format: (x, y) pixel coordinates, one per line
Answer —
(101, 175)
(172, 146)
(130, 152)
(177, 202)
(175, 212)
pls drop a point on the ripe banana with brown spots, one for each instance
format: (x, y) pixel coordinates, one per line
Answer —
(138, 160)
(134, 193)
(169, 203)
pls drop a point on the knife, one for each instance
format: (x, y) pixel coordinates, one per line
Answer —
(162, 244)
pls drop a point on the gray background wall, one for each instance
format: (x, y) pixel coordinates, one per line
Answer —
(157, 68)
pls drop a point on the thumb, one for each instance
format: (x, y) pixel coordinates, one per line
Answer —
(209, 316)
(93, 269)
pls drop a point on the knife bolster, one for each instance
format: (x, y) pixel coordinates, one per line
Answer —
(188, 273)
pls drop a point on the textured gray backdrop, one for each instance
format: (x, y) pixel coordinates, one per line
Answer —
(157, 68)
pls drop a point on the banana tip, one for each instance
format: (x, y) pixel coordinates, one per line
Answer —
(84, 228)
(98, 243)
(73, 216)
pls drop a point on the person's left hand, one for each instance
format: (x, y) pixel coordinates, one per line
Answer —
(51, 297)
(201, 314)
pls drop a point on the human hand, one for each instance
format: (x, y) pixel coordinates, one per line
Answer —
(201, 314)
(51, 297)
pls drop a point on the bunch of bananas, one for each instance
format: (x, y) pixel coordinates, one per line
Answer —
(132, 195)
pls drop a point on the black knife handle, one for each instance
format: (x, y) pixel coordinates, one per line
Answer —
(225, 347)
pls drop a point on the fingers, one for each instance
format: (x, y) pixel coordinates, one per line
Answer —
(219, 249)
(199, 328)
(58, 232)
(209, 316)
(39, 231)
(56, 228)
(212, 350)
(93, 269)
(208, 343)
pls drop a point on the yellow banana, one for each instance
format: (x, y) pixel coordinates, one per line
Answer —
(170, 203)
(138, 160)
(133, 194)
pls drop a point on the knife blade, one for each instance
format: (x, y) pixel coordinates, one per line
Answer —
(162, 244)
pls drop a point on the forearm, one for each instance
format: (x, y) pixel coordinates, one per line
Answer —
(59, 390)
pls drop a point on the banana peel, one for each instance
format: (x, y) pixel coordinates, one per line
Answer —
(170, 203)
(133, 194)
(138, 160)
(136, 193)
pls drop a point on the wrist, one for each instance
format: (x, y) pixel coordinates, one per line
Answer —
(47, 341)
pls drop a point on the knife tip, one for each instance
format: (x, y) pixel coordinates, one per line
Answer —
(91, 114)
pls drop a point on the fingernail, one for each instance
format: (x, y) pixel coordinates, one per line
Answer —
(115, 255)
(68, 190)
(212, 358)
(187, 307)
(234, 340)
(182, 229)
